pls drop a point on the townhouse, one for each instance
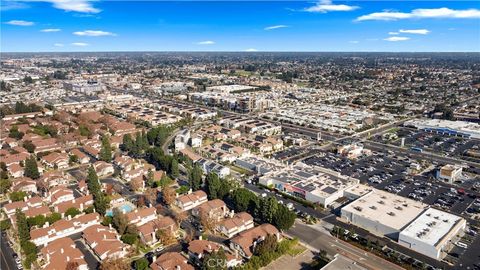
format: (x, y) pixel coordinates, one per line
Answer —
(80, 203)
(59, 253)
(103, 168)
(58, 195)
(55, 160)
(238, 223)
(104, 241)
(25, 184)
(246, 241)
(81, 157)
(189, 201)
(55, 178)
(170, 261)
(46, 145)
(32, 202)
(63, 228)
(148, 230)
(198, 249)
(142, 216)
(214, 209)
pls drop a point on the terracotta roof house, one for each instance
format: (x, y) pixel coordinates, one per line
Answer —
(55, 178)
(59, 194)
(24, 184)
(55, 160)
(246, 241)
(63, 228)
(192, 200)
(238, 223)
(80, 203)
(33, 202)
(82, 157)
(46, 145)
(142, 216)
(214, 209)
(15, 158)
(103, 168)
(148, 230)
(171, 261)
(58, 253)
(104, 241)
(15, 170)
(197, 249)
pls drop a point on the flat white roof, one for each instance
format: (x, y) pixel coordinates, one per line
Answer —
(386, 208)
(431, 226)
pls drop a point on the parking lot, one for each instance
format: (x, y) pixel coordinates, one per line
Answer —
(392, 173)
(449, 146)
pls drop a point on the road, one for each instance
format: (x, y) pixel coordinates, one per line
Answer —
(6, 261)
(319, 239)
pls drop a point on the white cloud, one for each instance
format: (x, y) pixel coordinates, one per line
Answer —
(49, 30)
(20, 23)
(94, 33)
(251, 50)
(12, 5)
(206, 42)
(324, 6)
(393, 33)
(80, 44)
(422, 13)
(354, 41)
(58, 45)
(275, 27)
(415, 31)
(84, 6)
(396, 38)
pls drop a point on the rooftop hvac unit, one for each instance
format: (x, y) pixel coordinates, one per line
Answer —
(391, 213)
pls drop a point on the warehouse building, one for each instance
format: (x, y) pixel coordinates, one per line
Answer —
(432, 232)
(382, 213)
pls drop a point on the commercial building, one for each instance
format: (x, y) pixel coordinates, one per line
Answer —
(432, 232)
(314, 184)
(382, 213)
(449, 173)
(447, 127)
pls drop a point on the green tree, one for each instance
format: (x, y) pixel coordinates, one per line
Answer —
(119, 221)
(268, 208)
(5, 185)
(141, 264)
(195, 178)
(31, 169)
(29, 146)
(38, 220)
(213, 185)
(72, 212)
(5, 224)
(174, 168)
(106, 150)
(15, 133)
(244, 200)
(267, 245)
(53, 217)
(284, 218)
(94, 187)
(127, 143)
(17, 196)
(129, 238)
(72, 159)
(22, 226)
(215, 260)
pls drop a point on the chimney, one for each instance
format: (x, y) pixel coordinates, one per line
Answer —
(154, 258)
(46, 224)
(69, 217)
(68, 258)
(200, 237)
(61, 250)
(110, 225)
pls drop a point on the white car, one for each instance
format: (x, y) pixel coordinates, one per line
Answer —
(264, 195)
(290, 206)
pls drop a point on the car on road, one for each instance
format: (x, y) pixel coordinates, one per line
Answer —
(290, 206)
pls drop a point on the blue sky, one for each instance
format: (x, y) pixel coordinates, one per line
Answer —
(81, 25)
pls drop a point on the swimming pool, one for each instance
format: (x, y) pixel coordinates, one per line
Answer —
(127, 207)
